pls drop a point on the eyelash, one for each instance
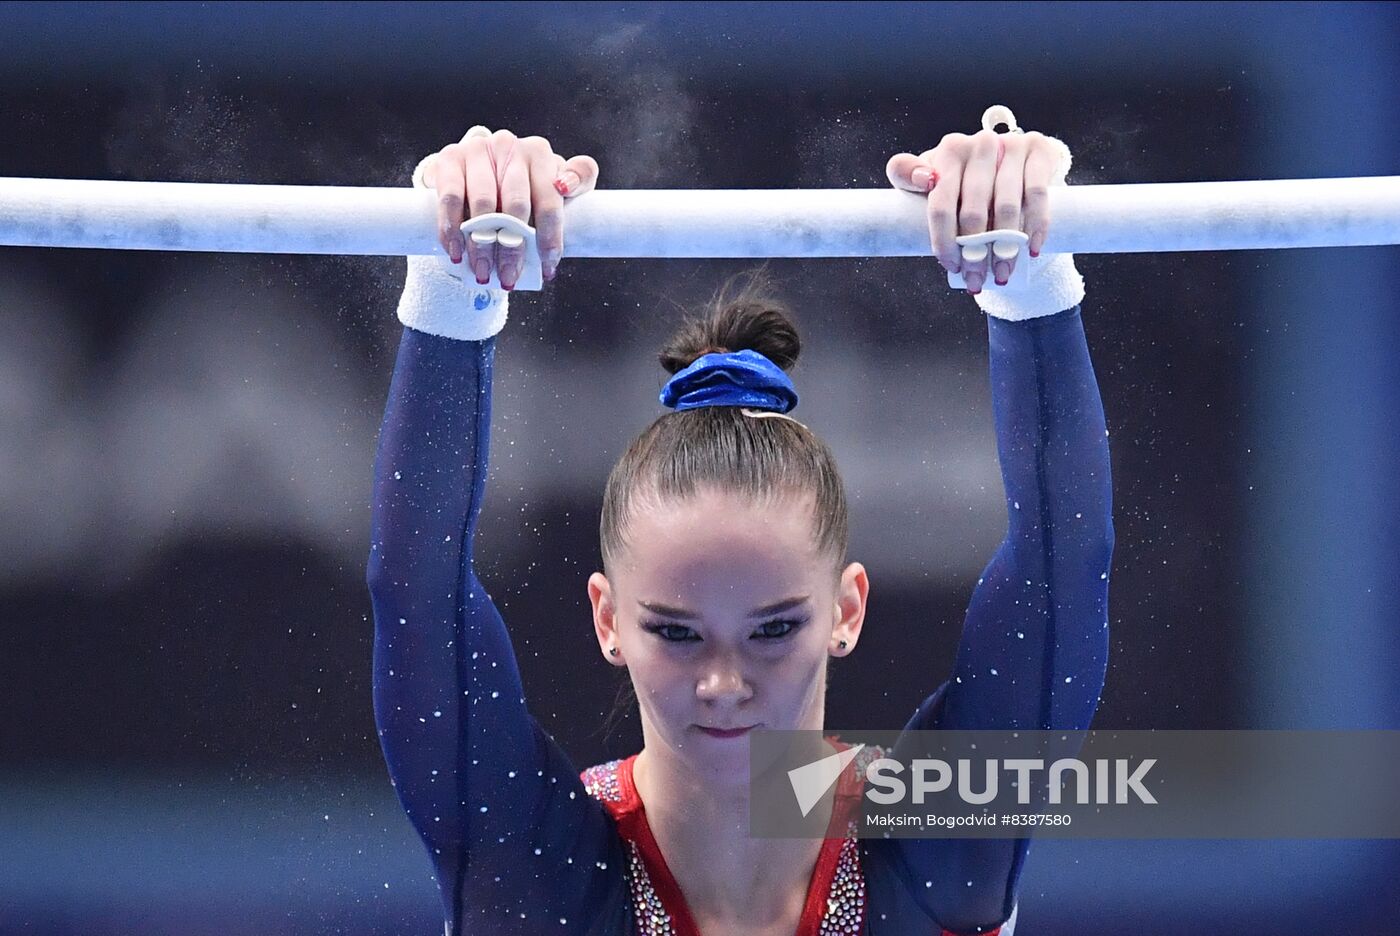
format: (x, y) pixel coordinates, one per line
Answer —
(657, 628)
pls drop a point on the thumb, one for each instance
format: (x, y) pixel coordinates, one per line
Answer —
(900, 171)
(422, 173)
(577, 175)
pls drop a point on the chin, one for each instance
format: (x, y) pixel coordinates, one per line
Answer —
(723, 762)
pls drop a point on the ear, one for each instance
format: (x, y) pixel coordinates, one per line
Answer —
(851, 596)
(605, 619)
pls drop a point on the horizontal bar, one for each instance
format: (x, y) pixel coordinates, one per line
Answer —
(671, 223)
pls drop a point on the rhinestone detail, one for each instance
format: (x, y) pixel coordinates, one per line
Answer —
(652, 918)
(601, 782)
(845, 901)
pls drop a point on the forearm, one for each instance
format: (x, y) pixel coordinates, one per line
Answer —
(1035, 644)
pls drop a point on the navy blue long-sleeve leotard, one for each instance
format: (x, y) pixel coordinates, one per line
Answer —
(518, 844)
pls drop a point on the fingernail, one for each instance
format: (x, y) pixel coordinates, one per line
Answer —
(548, 274)
(1037, 241)
(509, 275)
(568, 181)
(921, 178)
(483, 270)
(1002, 272)
(974, 282)
(549, 262)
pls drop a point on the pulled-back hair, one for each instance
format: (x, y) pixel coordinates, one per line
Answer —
(718, 448)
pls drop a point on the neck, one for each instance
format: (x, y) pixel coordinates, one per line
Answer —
(703, 832)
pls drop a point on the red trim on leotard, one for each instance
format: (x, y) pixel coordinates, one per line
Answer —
(848, 789)
(639, 830)
(632, 822)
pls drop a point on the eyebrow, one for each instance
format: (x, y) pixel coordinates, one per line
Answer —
(684, 615)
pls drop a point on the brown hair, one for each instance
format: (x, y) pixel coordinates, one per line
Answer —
(718, 447)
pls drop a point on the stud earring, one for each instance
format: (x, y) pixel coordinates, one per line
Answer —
(613, 651)
(842, 645)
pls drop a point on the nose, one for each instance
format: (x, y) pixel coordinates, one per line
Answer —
(723, 681)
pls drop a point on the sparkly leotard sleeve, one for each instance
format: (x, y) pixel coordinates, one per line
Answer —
(1034, 645)
(517, 844)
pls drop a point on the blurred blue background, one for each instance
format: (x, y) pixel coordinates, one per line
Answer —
(187, 744)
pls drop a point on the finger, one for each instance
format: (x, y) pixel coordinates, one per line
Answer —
(1040, 169)
(1007, 197)
(448, 178)
(501, 146)
(482, 199)
(548, 206)
(578, 175)
(979, 176)
(514, 167)
(943, 206)
(909, 172)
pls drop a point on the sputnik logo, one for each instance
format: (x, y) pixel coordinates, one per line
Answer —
(811, 781)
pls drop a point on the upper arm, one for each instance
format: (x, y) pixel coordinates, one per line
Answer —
(962, 883)
(497, 802)
(544, 853)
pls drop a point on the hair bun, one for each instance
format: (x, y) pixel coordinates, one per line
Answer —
(749, 319)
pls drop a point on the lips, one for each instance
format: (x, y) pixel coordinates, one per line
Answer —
(726, 732)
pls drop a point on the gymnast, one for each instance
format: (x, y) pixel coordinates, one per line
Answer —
(725, 588)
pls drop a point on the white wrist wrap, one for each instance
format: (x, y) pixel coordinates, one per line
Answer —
(443, 298)
(1053, 284)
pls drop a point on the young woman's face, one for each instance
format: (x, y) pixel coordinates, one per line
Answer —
(725, 616)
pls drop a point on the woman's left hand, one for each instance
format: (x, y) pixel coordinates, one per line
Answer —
(1003, 177)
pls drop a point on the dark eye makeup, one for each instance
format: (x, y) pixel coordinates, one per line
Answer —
(768, 632)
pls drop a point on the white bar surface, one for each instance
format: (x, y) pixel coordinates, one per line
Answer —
(674, 223)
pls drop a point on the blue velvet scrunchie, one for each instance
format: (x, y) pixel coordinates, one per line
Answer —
(732, 378)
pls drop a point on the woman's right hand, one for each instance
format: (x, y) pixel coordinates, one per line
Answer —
(502, 172)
